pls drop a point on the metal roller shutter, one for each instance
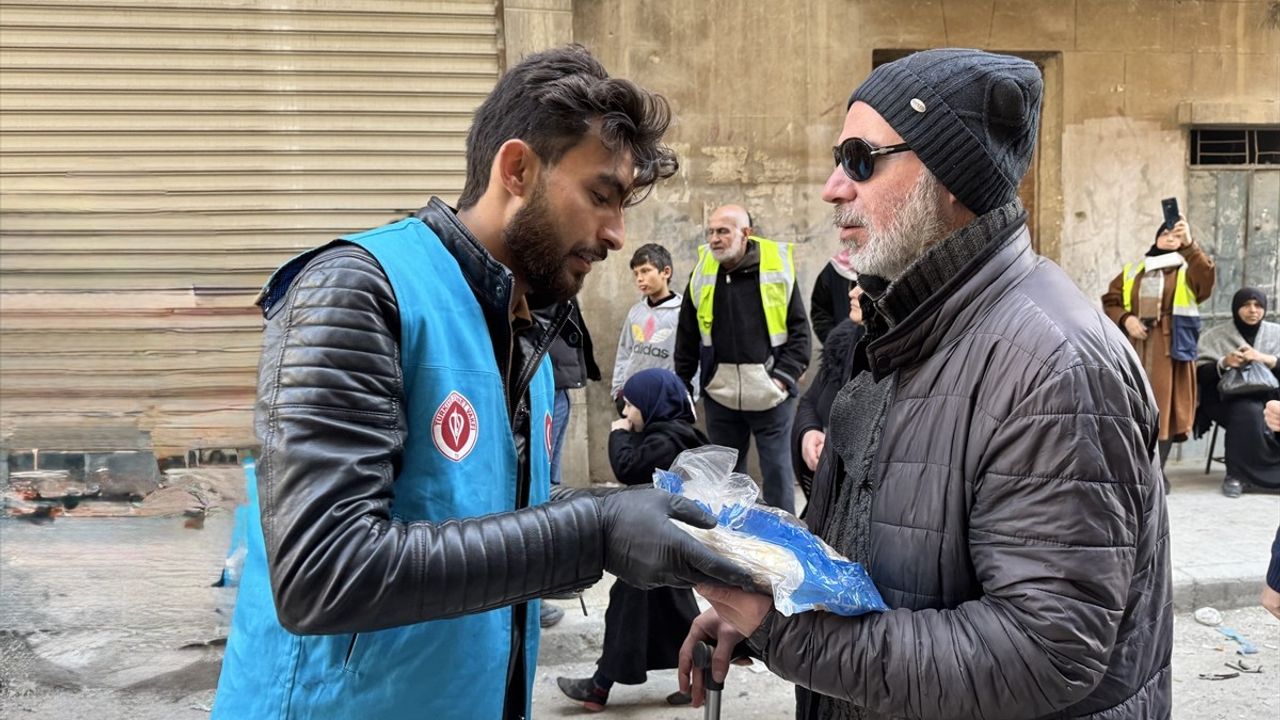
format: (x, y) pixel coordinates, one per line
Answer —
(158, 159)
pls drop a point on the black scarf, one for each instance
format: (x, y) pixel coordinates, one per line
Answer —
(1155, 247)
(1242, 296)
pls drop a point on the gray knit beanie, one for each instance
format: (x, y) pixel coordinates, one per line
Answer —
(970, 116)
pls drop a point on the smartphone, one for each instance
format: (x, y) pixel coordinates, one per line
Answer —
(1170, 208)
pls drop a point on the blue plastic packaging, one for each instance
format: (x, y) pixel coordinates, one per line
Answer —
(803, 571)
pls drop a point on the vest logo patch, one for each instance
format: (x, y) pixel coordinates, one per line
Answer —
(548, 426)
(455, 427)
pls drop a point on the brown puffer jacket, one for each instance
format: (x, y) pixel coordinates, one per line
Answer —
(1019, 529)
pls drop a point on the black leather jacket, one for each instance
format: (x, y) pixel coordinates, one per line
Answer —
(331, 419)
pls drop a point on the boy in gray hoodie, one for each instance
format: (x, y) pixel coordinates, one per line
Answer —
(648, 336)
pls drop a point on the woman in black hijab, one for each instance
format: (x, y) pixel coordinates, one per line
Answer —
(1148, 300)
(813, 412)
(1250, 449)
(643, 629)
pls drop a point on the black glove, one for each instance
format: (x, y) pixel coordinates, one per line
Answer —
(564, 492)
(643, 547)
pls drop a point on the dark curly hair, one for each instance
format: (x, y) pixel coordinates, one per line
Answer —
(653, 254)
(550, 100)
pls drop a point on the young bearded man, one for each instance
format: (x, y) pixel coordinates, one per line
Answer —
(405, 411)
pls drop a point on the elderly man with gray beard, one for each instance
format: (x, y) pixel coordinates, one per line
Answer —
(992, 462)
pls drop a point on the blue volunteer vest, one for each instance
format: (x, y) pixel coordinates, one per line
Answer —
(459, 462)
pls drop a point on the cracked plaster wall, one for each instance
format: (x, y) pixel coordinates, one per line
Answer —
(759, 89)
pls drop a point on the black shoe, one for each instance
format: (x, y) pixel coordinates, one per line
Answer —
(679, 698)
(585, 691)
(550, 615)
(1232, 487)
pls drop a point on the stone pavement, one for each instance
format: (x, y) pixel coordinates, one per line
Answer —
(1220, 547)
(110, 618)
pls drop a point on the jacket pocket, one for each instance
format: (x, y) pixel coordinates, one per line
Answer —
(747, 387)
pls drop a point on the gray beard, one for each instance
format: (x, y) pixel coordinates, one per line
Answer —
(729, 256)
(917, 225)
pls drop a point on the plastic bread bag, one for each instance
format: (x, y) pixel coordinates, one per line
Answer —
(803, 571)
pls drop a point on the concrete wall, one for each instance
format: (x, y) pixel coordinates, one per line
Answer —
(529, 26)
(759, 89)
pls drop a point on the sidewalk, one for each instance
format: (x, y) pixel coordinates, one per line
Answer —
(1220, 549)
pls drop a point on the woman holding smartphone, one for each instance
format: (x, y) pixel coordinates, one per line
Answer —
(1155, 302)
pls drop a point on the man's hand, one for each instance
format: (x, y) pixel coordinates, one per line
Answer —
(781, 385)
(1135, 328)
(811, 447)
(709, 628)
(1271, 415)
(643, 546)
(742, 609)
(1270, 601)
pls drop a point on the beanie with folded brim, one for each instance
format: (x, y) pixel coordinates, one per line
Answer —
(970, 116)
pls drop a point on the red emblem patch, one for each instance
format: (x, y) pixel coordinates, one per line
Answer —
(548, 426)
(455, 427)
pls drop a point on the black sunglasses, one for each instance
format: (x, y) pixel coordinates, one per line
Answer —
(858, 158)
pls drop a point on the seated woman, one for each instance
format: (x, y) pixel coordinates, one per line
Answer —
(1251, 450)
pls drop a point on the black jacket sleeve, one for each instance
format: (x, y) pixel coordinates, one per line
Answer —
(824, 317)
(330, 416)
(806, 419)
(1273, 570)
(1033, 642)
(588, 347)
(792, 358)
(633, 456)
(807, 416)
(688, 343)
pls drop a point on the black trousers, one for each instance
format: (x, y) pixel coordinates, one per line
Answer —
(643, 631)
(772, 431)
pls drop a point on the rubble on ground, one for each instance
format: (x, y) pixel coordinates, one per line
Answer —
(42, 495)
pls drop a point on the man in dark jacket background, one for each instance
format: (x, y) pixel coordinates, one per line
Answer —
(743, 325)
(991, 462)
(573, 361)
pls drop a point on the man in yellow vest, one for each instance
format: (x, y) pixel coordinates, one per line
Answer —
(742, 323)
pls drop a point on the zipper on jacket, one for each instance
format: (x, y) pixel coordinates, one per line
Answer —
(522, 413)
(351, 649)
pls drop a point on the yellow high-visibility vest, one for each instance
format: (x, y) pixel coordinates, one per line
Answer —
(1184, 301)
(777, 282)
(1186, 311)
